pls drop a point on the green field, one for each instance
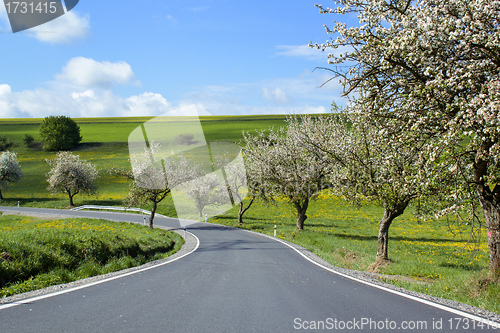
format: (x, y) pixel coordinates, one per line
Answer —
(104, 144)
(432, 257)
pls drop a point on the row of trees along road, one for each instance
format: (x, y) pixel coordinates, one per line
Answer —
(431, 70)
(345, 153)
(366, 166)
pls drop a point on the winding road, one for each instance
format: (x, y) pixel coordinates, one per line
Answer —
(234, 281)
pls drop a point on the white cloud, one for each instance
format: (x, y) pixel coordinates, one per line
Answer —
(85, 88)
(93, 104)
(147, 104)
(86, 94)
(5, 90)
(82, 90)
(6, 107)
(275, 95)
(40, 103)
(64, 29)
(87, 72)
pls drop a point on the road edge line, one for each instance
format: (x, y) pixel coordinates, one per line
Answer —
(491, 323)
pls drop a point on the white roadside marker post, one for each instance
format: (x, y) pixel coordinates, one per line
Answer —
(206, 217)
(275, 230)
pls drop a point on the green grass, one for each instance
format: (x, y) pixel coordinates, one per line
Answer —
(434, 255)
(38, 253)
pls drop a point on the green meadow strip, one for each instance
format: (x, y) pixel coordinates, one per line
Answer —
(37, 253)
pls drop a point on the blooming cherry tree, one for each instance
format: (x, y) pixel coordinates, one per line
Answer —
(205, 190)
(366, 166)
(282, 166)
(71, 175)
(154, 176)
(10, 171)
(433, 68)
(239, 177)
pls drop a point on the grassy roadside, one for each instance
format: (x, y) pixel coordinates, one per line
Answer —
(431, 257)
(37, 253)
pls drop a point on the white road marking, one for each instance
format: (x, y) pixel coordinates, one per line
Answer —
(491, 323)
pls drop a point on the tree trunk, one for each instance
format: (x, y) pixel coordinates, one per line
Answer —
(301, 217)
(490, 206)
(70, 198)
(1, 196)
(152, 216)
(489, 199)
(243, 210)
(301, 213)
(383, 234)
(240, 214)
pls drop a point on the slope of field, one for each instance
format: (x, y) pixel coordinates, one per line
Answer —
(38, 253)
(104, 144)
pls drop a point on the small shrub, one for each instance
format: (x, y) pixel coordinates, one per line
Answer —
(28, 140)
(5, 143)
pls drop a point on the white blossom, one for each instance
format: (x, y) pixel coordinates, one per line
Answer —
(10, 171)
(281, 166)
(154, 175)
(71, 175)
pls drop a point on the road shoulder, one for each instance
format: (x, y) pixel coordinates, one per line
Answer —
(373, 279)
(190, 245)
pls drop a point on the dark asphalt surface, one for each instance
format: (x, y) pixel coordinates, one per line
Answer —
(235, 281)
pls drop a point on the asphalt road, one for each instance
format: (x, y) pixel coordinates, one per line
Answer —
(235, 281)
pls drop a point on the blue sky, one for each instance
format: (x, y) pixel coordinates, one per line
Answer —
(149, 57)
